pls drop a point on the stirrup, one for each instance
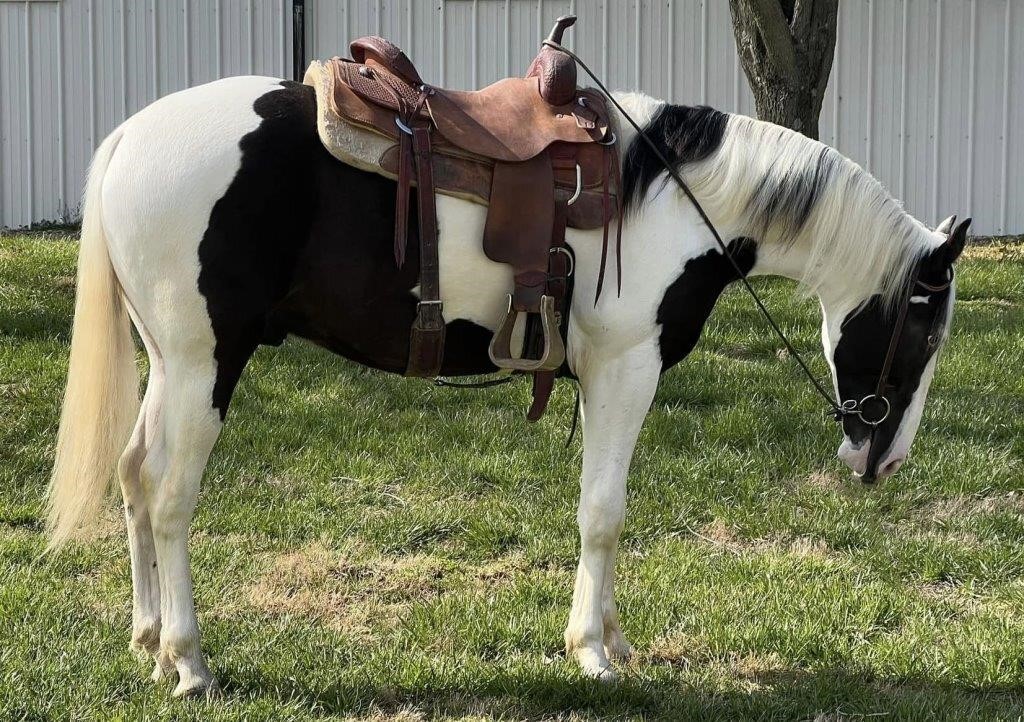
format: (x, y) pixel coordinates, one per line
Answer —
(554, 349)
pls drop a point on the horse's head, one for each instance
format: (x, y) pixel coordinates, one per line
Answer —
(857, 342)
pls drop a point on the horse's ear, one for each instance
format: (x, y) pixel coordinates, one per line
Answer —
(935, 267)
(954, 245)
(946, 226)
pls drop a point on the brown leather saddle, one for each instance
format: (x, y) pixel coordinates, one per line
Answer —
(536, 150)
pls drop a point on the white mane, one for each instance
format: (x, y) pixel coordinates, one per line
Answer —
(785, 188)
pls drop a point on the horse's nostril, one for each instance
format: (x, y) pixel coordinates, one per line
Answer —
(892, 467)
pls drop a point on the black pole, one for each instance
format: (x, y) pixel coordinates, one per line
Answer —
(298, 39)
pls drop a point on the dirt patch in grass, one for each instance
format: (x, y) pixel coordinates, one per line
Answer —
(683, 650)
(983, 248)
(500, 572)
(406, 714)
(675, 649)
(959, 507)
(950, 594)
(823, 480)
(830, 482)
(720, 534)
(969, 600)
(347, 590)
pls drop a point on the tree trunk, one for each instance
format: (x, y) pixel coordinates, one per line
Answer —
(786, 49)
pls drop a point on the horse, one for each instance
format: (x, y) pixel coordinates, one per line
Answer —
(214, 222)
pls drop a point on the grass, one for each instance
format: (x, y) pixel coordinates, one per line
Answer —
(368, 546)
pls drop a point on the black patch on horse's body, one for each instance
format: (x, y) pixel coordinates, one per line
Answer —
(682, 134)
(303, 244)
(688, 302)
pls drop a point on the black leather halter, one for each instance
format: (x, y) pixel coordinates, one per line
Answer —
(878, 400)
(875, 408)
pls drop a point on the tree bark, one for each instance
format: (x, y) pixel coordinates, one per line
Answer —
(786, 49)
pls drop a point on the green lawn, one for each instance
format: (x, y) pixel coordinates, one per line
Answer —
(372, 546)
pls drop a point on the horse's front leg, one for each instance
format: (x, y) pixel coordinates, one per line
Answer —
(617, 393)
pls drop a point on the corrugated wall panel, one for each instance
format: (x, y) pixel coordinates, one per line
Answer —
(45, 123)
(72, 70)
(15, 134)
(920, 111)
(927, 94)
(987, 120)
(1013, 159)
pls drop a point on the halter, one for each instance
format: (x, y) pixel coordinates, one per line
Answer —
(850, 407)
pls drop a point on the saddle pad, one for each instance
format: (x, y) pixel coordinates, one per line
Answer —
(360, 146)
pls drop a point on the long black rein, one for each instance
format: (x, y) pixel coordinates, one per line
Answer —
(839, 410)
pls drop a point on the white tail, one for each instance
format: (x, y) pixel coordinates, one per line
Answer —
(101, 399)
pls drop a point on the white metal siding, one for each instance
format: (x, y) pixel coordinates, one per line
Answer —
(72, 70)
(926, 94)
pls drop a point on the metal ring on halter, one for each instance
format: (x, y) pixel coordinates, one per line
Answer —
(402, 126)
(609, 142)
(572, 261)
(860, 409)
(579, 185)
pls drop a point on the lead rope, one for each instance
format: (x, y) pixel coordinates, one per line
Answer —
(837, 410)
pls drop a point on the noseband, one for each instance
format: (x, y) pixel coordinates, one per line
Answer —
(874, 408)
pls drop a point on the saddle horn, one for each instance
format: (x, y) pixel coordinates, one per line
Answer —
(555, 70)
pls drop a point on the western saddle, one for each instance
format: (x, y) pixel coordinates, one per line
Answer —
(536, 150)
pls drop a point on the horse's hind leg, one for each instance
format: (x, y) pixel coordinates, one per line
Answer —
(187, 429)
(145, 580)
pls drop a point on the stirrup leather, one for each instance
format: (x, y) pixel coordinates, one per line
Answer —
(553, 356)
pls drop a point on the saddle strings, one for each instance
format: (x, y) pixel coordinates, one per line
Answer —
(836, 408)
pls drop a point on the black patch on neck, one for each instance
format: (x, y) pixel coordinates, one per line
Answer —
(682, 134)
(688, 302)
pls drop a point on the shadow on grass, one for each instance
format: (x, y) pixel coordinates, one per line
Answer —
(557, 692)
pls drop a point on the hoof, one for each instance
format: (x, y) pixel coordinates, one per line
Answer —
(164, 670)
(195, 680)
(596, 666)
(203, 689)
(620, 650)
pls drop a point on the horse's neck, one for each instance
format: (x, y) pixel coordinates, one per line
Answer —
(853, 238)
(845, 234)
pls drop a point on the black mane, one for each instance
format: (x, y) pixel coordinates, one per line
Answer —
(683, 134)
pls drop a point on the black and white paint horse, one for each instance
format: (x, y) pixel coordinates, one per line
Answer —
(214, 221)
